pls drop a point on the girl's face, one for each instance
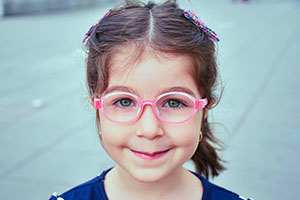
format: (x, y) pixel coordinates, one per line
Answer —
(148, 149)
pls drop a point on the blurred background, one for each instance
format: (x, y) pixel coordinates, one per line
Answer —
(48, 136)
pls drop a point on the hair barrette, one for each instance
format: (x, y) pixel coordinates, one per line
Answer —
(191, 16)
(87, 35)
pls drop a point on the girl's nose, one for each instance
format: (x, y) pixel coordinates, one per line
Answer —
(149, 126)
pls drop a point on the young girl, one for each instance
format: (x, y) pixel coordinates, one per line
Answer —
(151, 74)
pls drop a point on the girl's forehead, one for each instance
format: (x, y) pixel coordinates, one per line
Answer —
(150, 73)
(129, 58)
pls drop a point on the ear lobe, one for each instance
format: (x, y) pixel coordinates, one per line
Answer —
(100, 135)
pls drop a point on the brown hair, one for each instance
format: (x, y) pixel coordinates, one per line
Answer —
(162, 28)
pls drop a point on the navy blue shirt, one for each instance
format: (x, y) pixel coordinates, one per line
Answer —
(94, 190)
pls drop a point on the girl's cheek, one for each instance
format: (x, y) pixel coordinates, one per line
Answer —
(115, 135)
(185, 135)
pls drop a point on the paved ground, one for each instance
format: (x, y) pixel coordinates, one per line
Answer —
(48, 136)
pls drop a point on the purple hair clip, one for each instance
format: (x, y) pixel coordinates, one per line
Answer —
(87, 35)
(191, 16)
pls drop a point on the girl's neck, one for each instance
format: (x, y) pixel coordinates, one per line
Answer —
(119, 184)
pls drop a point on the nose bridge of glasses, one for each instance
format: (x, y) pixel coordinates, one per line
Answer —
(149, 102)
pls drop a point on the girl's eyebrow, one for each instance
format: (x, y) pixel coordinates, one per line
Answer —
(120, 88)
(179, 89)
(131, 90)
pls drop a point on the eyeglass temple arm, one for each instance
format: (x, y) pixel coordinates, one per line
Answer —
(201, 103)
(97, 103)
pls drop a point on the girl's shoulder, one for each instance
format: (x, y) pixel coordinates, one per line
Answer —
(215, 192)
(92, 189)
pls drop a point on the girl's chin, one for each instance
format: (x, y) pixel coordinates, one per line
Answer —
(148, 175)
(152, 175)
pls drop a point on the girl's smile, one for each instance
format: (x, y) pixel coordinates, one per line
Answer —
(144, 155)
(150, 156)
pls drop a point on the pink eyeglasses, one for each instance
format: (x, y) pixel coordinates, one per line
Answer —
(170, 107)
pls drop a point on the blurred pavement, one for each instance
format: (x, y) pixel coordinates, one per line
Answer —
(48, 136)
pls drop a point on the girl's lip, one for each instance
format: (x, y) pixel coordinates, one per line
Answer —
(150, 156)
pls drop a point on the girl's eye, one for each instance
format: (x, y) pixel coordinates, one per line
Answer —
(173, 103)
(124, 102)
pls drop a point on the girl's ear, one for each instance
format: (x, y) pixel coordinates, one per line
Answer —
(90, 100)
(208, 107)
